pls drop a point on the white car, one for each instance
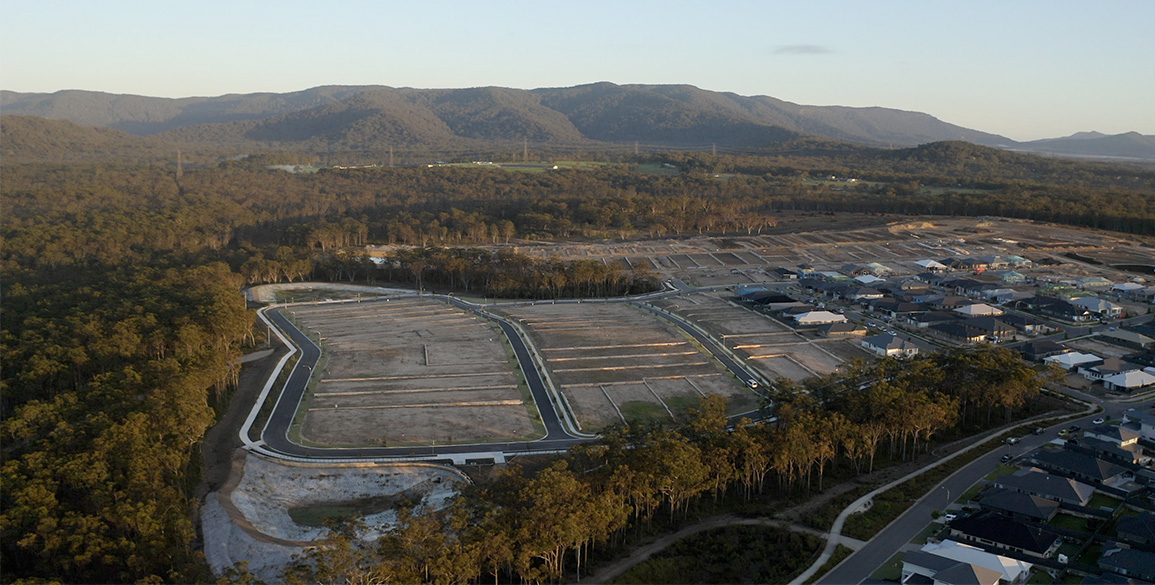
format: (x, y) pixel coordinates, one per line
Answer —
(1098, 421)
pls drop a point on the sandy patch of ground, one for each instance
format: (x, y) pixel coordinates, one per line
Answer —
(411, 371)
(248, 519)
(268, 293)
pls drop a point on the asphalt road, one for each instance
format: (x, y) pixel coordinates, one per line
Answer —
(276, 432)
(885, 544)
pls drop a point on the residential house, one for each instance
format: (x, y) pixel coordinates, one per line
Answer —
(1019, 506)
(1103, 308)
(1109, 451)
(1028, 325)
(1080, 466)
(994, 328)
(1060, 309)
(1137, 530)
(1011, 277)
(1093, 282)
(931, 265)
(1125, 288)
(1109, 367)
(1039, 350)
(894, 308)
(958, 332)
(785, 273)
(994, 262)
(995, 530)
(1019, 262)
(1128, 562)
(1145, 420)
(1039, 483)
(919, 567)
(924, 320)
(818, 318)
(1129, 381)
(1072, 360)
(1013, 571)
(979, 310)
(1116, 434)
(890, 345)
(1125, 338)
(842, 330)
(861, 294)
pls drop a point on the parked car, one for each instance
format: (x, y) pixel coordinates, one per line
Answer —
(1098, 421)
(1006, 458)
(752, 383)
(949, 516)
(1074, 428)
(1013, 440)
(1039, 430)
(1064, 432)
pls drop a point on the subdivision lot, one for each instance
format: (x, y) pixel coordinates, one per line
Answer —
(767, 345)
(616, 363)
(410, 371)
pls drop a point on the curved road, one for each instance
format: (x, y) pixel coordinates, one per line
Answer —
(859, 566)
(275, 436)
(276, 433)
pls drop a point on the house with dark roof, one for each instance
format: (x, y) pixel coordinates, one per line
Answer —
(924, 320)
(1107, 450)
(1038, 483)
(1119, 435)
(1039, 350)
(785, 273)
(895, 308)
(1020, 506)
(995, 530)
(1125, 338)
(1028, 325)
(1145, 420)
(958, 332)
(1080, 466)
(991, 326)
(1138, 530)
(1060, 309)
(863, 293)
(1128, 562)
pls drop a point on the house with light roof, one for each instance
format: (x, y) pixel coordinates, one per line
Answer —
(1012, 571)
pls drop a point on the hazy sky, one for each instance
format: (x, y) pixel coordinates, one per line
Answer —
(1023, 69)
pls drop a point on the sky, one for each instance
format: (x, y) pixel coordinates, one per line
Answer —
(1023, 69)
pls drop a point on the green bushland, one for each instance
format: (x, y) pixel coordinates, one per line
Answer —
(731, 554)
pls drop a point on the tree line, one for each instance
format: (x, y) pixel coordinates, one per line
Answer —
(108, 377)
(544, 525)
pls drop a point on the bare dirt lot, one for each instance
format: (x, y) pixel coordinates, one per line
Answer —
(615, 363)
(411, 371)
(829, 240)
(767, 345)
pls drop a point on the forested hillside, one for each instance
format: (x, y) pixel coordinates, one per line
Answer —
(122, 314)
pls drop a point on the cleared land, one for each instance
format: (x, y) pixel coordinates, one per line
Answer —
(771, 347)
(615, 363)
(411, 371)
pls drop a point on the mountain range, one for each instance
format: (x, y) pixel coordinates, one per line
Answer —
(657, 116)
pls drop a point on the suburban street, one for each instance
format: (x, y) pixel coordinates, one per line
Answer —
(860, 565)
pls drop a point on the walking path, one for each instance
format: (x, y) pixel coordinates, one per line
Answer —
(643, 553)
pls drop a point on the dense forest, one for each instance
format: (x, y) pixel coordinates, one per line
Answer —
(122, 318)
(542, 525)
